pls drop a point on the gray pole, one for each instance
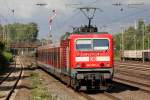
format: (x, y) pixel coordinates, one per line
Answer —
(122, 42)
(148, 40)
(143, 40)
(135, 41)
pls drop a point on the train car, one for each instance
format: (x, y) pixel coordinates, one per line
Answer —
(135, 55)
(146, 55)
(83, 61)
(131, 54)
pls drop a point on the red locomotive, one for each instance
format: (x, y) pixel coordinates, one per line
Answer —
(81, 60)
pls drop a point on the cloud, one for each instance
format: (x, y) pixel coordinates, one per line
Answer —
(27, 11)
(21, 8)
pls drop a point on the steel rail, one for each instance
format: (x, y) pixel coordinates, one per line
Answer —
(7, 76)
(146, 64)
(86, 96)
(12, 69)
(134, 74)
(136, 84)
(16, 83)
(111, 96)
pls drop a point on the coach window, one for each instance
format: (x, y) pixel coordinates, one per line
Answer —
(100, 44)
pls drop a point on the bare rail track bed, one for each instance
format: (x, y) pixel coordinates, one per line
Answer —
(9, 83)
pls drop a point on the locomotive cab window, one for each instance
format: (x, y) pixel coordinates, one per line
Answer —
(84, 44)
(100, 44)
(92, 44)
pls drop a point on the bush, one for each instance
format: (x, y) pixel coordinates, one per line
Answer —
(2, 47)
(8, 56)
(5, 57)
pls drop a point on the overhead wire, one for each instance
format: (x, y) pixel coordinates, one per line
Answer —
(67, 20)
(113, 21)
(124, 17)
(127, 16)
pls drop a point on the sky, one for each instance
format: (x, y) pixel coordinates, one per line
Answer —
(108, 17)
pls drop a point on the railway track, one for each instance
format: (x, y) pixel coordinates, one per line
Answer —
(136, 70)
(134, 62)
(111, 96)
(99, 95)
(134, 74)
(141, 86)
(137, 75)
(133, 66)
(11, 71)
(9, 83)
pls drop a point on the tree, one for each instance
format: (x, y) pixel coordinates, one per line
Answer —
(133, 37)
(23, 32)
(1, 33)
(141, 26)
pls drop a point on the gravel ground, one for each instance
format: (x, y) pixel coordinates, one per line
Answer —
(100, 96)
(58, 90)
(128, 93)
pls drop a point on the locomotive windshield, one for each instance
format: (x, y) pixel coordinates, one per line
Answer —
(84, 44)
(92, 44)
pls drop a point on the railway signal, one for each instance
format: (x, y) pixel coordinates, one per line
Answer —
(50, 23)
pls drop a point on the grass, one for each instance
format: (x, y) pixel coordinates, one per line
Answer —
(39, 91)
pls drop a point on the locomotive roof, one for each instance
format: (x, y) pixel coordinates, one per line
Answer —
(67, 35)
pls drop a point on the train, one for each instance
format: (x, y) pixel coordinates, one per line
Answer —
(135, 55)
(83, 59)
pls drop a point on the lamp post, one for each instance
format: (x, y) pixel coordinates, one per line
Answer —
(143, 41)
(135, 42)
(148, 40)
(122, 42)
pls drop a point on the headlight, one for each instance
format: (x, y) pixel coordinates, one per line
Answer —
(102, 64)
(78, 66)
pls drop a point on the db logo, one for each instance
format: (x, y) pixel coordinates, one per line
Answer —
(92, 58)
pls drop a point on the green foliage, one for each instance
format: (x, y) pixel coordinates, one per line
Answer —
(133, 38)
(8, 56)
(3, 61)
(2, 47)
(5, 57)
(23, 32)
(1, 30)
